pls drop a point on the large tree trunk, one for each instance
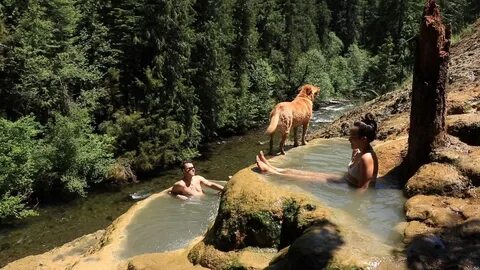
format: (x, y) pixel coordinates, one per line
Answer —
(427, 116)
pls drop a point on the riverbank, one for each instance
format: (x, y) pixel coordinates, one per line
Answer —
(454, 228)
(59, 224)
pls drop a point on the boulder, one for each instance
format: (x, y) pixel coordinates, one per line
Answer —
(442, 232)
(437, 178)
(390, 154)
(466, 127)
(255, 213)
(454, 247)
(313, 250)
(441, 211)
(469, 165)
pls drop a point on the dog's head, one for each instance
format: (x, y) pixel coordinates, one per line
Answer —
(308, 91)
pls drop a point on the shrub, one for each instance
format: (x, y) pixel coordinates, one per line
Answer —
(20, 164)
(79, 157)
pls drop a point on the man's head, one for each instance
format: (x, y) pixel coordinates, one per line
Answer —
(188, 168)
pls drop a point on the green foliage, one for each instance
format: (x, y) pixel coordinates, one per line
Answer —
(46, 65)
(78, 156)
(465, 32)
(454, 12)
(162, 77)
(149, 143)
(382, 75)
(14, 207)
(20, 164)
(335, 74)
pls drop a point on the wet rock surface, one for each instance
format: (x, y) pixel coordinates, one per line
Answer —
(443, 232)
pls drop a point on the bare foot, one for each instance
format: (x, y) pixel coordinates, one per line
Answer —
(262, 158)
(271, 167)
(264, 168)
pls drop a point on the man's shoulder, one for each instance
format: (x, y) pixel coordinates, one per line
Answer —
(179, 183)
(199, 177)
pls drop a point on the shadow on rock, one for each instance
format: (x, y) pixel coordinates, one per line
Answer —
(313, 250)
(456, 247)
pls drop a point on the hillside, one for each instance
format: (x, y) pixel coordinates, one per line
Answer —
(392, 110)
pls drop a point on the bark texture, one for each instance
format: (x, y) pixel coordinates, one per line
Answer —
(427, 117)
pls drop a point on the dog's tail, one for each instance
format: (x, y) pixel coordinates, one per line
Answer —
(274, 116)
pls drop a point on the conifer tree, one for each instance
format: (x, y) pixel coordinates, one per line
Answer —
(47, 64)
(169, 96)
(211, 62)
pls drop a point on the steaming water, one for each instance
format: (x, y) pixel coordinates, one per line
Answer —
(168, 223)
(377, 210)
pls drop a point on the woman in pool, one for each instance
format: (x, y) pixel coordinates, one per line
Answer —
(363, 166)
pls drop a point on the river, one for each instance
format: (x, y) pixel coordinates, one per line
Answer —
(59, 224)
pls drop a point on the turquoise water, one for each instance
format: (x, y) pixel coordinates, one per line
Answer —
(169, 223)
(378, 210)
(58, 224)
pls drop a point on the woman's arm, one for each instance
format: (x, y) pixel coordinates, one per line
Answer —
(366, 171)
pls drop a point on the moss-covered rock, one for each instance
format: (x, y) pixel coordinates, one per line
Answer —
(255, 213)
(209, 257)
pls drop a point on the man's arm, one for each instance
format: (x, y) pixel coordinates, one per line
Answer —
(210, 184)
(180, 190)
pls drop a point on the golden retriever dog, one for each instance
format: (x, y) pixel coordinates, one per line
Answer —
(286, 115)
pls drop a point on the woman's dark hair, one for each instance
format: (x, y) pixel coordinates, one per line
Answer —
(367, 127)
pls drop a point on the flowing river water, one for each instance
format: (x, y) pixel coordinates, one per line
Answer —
(58, 224)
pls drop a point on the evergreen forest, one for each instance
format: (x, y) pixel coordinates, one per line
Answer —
(96, 91)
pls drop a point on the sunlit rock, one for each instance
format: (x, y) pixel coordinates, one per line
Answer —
(437, 178)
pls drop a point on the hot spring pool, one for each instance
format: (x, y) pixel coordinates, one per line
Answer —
(168, 223)
(378, 210)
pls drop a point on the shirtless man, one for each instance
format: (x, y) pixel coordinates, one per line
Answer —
(191, 184)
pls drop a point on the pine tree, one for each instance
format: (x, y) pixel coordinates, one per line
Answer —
(48, 66)
(323, 18)
(211, 62)
(169, 96)
(344, 20)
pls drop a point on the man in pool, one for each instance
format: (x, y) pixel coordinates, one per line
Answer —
(191, 184)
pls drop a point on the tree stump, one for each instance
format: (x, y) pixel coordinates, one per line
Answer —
(427, 116)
